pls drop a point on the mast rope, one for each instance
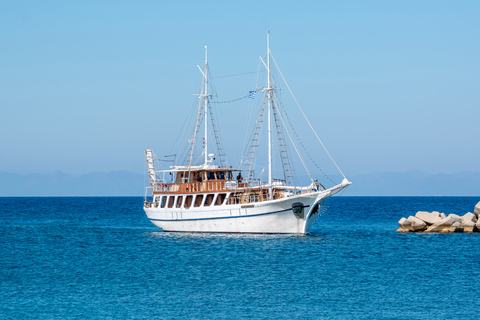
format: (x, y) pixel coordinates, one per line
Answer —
(303, 146)
(228, 101)
(291, 140)
(311, 127)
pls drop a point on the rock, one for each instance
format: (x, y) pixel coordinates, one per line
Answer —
(455, 217)
(417, 224)
(477, 210)
(456, 227)
(477, 226)
(441, 225)
(429, 217)
(439, 222)
(405, 225)
(468, 226)
(469, 217)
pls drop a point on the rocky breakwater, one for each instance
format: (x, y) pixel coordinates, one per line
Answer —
(439, 222)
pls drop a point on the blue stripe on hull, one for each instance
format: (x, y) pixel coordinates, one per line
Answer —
(226, 217)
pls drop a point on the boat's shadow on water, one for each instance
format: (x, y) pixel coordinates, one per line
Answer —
(246, 236)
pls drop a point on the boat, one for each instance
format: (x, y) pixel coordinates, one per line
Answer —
(213, 197)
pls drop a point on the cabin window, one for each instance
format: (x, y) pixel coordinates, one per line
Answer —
(220, 199)
(170, 201)
(163, 201)
(220, 175)
(198, 200)
(229, 175)
(196, 177)
(179, 201)
(232, 199)
(210, 175)
(188, 201)
(253, 197)
(208, 200)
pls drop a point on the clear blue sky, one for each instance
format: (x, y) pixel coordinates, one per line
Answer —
(89, 85)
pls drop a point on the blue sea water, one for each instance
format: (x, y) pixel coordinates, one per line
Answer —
(100, 258)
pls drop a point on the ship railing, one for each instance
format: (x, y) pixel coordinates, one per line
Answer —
(252, 183)
(243, 198)
(278, 182)
(166, 187)
(146, 202)
(205, 186)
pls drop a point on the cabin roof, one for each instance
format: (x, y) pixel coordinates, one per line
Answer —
(198, 169)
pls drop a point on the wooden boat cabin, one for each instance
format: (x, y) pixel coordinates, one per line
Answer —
(206, 187)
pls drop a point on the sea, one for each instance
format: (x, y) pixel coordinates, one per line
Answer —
(100, 258)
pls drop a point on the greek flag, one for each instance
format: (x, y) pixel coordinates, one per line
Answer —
(251, 94)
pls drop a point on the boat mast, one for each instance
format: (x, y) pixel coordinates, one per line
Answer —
(205, 97)
(269, 98)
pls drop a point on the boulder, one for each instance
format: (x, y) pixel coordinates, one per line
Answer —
(405, 225)
(417, 224)
(477, 210)
(439, 222)
(469, 217)
(468, 226)
(429, 217)
(455, 217)
(443, 224)
(456, 227)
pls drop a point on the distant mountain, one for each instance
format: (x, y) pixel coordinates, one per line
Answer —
(115, 183)
(124, 183)
(415, 183)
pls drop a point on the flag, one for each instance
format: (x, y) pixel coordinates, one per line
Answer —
(251, 94)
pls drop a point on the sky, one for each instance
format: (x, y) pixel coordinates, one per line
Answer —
(87, 86)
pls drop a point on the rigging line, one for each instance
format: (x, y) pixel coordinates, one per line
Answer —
(294, 146)
(258, 72)
(216, 133)
(211, 83)
(256, 130)
(246, 128)
(261, 173)
(228, 101)
(311, 127)
(188, 118)
(301, 143)
(238, 74)
(200, 116)
(283, 147)
(184, 126)
(201, 156)
(248, 118)
(196, 149)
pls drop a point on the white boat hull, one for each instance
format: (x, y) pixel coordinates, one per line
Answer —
(276, 216)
